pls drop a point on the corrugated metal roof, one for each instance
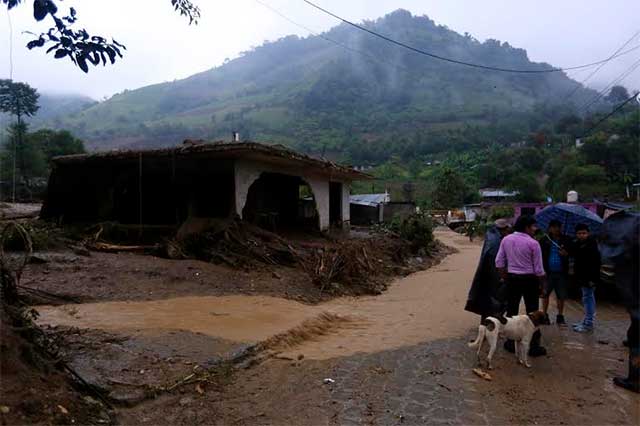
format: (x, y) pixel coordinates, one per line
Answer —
(497, 193)
(369, 199)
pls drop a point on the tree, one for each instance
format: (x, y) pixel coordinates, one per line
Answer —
(618, 94)
(17, 99)
(450, 189)
(36, 153)
(78, 45)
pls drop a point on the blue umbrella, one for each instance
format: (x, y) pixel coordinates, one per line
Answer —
(569, 216)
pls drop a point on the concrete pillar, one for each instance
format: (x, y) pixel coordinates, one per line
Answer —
(320, 188)
(244, 176)
(346, 205)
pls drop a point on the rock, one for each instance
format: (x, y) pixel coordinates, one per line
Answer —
(38, 259)
(4, 409)
(186, 400)
(276, 275)
(81, 251)
(127, 397)
(89, 400)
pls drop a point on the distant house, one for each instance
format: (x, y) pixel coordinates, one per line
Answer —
(367, 209)
(259, 183)
(491, 194)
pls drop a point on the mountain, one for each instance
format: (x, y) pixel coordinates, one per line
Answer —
(365, 102)
(54, 107)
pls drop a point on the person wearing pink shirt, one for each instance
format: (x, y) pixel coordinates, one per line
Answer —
(519, 261)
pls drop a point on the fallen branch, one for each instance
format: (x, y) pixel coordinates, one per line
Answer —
(116, 248)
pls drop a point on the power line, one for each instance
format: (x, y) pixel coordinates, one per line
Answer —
(442, 58)
(604, 91)
(602, 120)
(10, 45)
(594, 72)
(324, 37)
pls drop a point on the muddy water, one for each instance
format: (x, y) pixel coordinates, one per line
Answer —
(423, 306)
(236, 318)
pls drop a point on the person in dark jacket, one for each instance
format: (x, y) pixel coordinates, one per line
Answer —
(586, 269)
(620, 243)
(555, 258)
(486, 296)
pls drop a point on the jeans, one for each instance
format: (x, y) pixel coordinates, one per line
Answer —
(589, 303)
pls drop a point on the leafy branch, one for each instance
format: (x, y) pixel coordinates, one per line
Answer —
(78, 45)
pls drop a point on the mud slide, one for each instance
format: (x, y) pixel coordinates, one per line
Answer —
(423, 306)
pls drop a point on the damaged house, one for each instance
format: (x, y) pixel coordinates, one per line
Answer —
(270, 185)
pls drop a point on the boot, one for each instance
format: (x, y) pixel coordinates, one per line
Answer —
(536, 349)
(632, 382)
(510, 346)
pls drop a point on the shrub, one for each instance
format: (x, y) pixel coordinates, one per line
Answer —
(417, 229)
(501, 211)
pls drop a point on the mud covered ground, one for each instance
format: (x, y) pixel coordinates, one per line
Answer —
(400, 359)
(96, 276)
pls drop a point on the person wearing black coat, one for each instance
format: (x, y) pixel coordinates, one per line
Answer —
(487, 294)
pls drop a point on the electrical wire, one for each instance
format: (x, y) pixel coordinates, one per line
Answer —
(594, 72)
(10, 45)
(603, 119)
(606, 89)
(329, 39)
(443, 58)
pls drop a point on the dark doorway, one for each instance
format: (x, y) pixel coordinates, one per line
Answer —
(335, 204)
(276, 201)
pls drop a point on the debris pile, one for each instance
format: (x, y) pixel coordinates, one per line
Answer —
(36, 386)
(340, 266)
(237, 244)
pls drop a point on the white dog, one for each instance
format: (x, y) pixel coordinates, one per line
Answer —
(519, 328)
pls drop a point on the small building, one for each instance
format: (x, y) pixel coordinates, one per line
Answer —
(496, 195)
(367, 209)
(257, 182)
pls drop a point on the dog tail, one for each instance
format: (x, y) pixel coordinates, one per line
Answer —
(482, 331)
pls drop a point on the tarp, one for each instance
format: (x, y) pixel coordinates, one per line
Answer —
(619, 243)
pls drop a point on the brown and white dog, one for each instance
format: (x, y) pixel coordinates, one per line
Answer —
(519, 328)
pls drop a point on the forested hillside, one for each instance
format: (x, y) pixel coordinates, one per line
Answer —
(364, 104)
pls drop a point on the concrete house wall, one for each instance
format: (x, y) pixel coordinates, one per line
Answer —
(200, 180)
(246, 172)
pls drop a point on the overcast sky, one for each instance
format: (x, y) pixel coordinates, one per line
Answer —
(163, 47)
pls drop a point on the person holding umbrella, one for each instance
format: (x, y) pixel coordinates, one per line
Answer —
(555, 257)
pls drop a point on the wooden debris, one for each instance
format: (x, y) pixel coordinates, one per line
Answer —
(482, 374)
(116, 248)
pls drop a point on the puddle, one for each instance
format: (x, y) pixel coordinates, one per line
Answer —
(420, 307)
(236, 318)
